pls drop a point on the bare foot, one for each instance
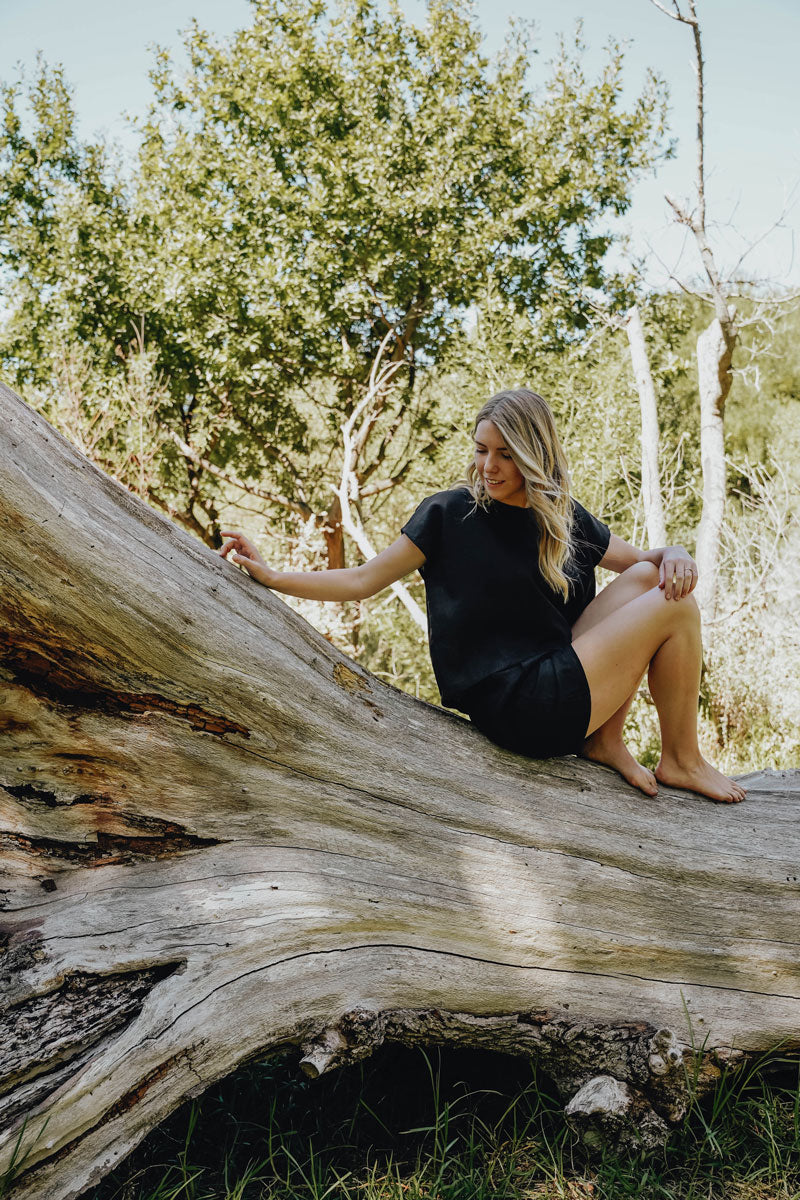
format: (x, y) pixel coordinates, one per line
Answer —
(700, 777)
(617, 755)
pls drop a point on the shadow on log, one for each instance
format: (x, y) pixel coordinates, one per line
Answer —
(220, 837)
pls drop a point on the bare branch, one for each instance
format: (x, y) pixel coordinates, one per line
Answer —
(377, 391)
(359, 536)
(776, 224)
(348, 489)
(676, 16)
(776, 302)
(386, 442)
(380, 485)
(698, 67)
(680, 212)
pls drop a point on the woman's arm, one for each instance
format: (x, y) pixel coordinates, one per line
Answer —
(345, 583)
(677, 570)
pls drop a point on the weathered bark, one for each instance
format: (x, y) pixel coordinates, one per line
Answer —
(220, 837)
(651, 481)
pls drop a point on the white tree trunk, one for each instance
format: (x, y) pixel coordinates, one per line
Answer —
(220, 837)
(651, 480)
(714, 353)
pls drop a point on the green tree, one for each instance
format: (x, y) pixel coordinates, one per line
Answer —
(63, 235)
(318, 186)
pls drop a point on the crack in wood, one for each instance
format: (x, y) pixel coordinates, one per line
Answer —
(107, 849)
(48, 676)
(356, 685)
(717, 987)
(126, 1102)
(41, 1033)
(27, 791)
(135, 1095)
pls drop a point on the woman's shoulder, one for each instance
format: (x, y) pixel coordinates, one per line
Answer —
(436, 517)
(590, 535)
(453, 501)
(440, 510)
(458, 496)
(581, 514)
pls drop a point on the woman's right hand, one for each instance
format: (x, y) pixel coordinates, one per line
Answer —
(244, 553)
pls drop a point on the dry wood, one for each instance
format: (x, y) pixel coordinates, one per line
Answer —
(714, 358)
(715, 346)
(651, 481)
(220, 837)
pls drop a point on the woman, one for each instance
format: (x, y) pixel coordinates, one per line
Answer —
(518, 639)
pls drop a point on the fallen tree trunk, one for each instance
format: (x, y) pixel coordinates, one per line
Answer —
(220, 837)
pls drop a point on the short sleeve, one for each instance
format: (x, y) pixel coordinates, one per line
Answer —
(424, 527)
(591, 536)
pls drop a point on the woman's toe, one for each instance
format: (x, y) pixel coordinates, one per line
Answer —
(648, 782)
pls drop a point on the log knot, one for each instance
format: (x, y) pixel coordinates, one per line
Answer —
(350, 680)
(666, 1053)
(606, 1110)
(354, 1037)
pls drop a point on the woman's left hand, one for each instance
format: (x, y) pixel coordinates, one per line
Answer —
(677, 573)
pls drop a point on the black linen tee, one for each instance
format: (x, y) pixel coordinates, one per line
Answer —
(488, 604)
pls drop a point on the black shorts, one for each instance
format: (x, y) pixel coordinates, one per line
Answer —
(539, 707)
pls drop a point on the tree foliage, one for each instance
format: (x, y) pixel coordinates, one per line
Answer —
(323, 183)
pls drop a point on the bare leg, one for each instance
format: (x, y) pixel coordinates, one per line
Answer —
(678, 662)
(606, 744)
(615, 652)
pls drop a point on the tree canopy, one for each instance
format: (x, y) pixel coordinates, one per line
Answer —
(324, 183)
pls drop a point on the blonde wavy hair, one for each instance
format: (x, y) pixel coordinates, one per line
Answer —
(528, 429)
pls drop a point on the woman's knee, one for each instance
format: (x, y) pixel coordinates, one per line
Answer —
(644, 574)
(684, 611)
(692, 611)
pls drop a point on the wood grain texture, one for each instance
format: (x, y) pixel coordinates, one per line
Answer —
(212, 817)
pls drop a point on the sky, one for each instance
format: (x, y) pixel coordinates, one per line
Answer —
(751, 50)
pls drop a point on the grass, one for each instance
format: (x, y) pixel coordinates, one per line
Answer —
(413, 1125)
(19, 1156)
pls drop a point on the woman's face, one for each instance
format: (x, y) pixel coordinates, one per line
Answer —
(504, 481)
